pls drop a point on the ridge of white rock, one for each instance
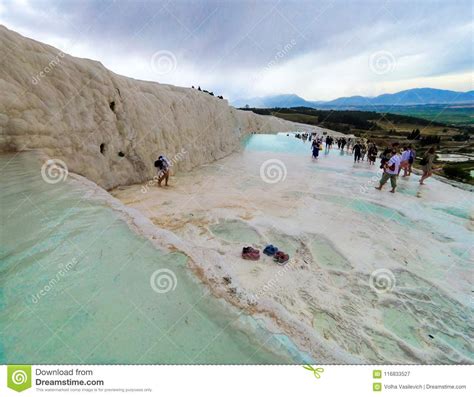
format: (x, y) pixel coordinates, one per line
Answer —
(110, 128)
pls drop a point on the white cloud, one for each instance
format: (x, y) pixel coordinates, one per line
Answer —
(332, 60)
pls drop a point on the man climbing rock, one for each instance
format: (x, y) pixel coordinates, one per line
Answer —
(163, 166)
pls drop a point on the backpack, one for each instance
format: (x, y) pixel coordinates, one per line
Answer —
(391, 167)
(159, 164)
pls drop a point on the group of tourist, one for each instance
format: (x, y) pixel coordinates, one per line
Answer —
(317, 142)
(361, 149)
(342, 142)
(393, 160)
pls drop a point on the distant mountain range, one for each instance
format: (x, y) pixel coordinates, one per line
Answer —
(274, 101)
(413, 97)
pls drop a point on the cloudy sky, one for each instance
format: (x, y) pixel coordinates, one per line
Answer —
(318, 49)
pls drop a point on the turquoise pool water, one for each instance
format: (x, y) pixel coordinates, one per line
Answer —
(101, 308)
(75, 287)
(443, 210)
(278, 143)
(421, 237)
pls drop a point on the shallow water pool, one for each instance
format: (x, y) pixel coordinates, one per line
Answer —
(76, 287)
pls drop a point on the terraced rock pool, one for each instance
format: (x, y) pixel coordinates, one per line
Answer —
(373, 276)
(75, 287)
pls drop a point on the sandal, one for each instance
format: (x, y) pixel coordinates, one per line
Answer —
(250, 253)
(252, 256)
(281, 258)
(270, 250)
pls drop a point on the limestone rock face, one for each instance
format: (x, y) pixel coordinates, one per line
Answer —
(107, 127)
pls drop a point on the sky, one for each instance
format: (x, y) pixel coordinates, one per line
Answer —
(318, 49)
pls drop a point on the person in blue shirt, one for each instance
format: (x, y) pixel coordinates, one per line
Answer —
(315, 148)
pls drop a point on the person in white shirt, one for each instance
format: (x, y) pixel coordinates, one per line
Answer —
(405, 158)
(391, 169)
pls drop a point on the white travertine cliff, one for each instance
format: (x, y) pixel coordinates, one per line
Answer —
(107, 127)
